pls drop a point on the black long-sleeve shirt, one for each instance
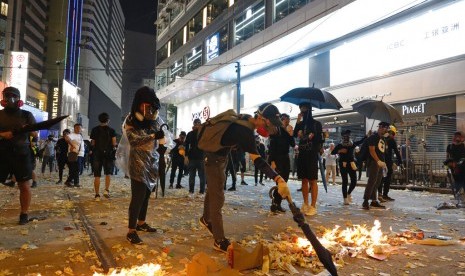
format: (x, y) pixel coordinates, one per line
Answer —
(280, 143)
(349, 155)
(392, 148)
(192, 150)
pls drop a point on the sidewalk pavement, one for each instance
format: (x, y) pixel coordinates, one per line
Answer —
(77, 235)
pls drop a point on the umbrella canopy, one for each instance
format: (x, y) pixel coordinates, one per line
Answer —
(378, 110)
(42, 125)
(316, 97)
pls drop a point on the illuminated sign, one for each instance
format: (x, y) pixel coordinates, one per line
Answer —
(413, 109)
(213, 46)
(55, 103)
(204, 114)
(19, 62)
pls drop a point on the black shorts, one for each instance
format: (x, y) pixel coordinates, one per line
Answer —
(99, 161)
(307, 165)
(18, 162)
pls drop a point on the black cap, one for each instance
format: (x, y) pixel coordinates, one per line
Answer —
(183, 133)
(270, 112)
(12, 90)
(383, 124)
(285, 115)
(307, 104)
(197, 121)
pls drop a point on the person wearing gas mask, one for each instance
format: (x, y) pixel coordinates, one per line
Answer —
(310, 134)
(347, 164)
(14, 147)
(375, 166)
(143, 132)
(227, 134)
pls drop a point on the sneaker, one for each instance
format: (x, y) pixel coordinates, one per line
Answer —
(346, 201)
(34, 184)
(381, 199)
(349, 198)
(133, 238)
(207, 225)
(304, 208)
(222, 245)
(68, 184)
(58, 182)
(77, 185)
(256, 183)
(179, 186)
(388, 198)
(243, 183)
(311, 211)
(97, 197)
(232, 189)
(376, 204)
(261, 183)
(146, 228)
(365, 205)
(277, 209)
(299, 190)
(106, 193)
(191, 195)
(23, 219)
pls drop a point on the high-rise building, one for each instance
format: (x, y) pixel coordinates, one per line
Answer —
(85, 55)
(22, 44)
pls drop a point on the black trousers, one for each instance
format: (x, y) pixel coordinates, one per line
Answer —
(73, 176)
(283, 168)
(345, 174)
(140, 195)
(386, 182)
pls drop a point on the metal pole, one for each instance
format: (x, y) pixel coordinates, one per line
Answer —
(238, 90)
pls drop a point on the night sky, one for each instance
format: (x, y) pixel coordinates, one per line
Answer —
(140, 15)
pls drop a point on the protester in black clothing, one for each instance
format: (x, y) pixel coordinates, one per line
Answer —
(177, 160)
(15, 151)
(391, 147)
(375, 166)
(142, 131)
(347, 164)
(103, 152)
(456, 162)
(310, 134)
(227, 135)
(195, 156)
(261, 150)
(61, 151)
(280, 142)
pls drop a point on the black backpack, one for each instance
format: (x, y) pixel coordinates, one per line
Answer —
(364, 152)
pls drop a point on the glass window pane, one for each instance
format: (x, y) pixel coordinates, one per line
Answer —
(176, 70)
(250, 22)
(194, 59)
(215, 8)
(162, 54)
(177, 40)
(194, 26)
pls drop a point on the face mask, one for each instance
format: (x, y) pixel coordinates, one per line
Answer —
(263, 132)
(148, 112)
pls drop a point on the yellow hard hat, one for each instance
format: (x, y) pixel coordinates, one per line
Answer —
(393, 129)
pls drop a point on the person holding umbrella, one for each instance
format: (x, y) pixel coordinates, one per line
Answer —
(310, 134)
(375, 166)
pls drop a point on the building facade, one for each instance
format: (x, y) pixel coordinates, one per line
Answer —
(407, 53)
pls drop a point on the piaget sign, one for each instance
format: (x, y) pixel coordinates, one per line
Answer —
(413, 109)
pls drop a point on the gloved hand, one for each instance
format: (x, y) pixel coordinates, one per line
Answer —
(273, 165)
(381, 164)
(159, 134)
(283, 189)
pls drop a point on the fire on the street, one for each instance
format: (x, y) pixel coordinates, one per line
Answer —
(145, 269)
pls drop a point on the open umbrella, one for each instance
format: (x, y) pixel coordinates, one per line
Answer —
(378, 110)
(316, 97)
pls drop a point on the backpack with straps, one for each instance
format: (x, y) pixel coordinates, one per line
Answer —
(210, 133)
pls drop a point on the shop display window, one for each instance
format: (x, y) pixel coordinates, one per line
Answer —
(194, 59)
(195, 25)
(176, 70)
(215, 8)
(283, 8)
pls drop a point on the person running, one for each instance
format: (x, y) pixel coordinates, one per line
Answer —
(103, 144)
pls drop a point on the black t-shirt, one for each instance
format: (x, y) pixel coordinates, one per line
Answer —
(61, 148)
(280, 143)
(379, 144)
(102, 136)
(13, 121)
(192, 151)
(456, 152)
(241, 136)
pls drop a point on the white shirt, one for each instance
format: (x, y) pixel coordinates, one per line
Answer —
(330, 159)
(76, 139)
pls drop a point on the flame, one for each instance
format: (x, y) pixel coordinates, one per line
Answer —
(145, 269)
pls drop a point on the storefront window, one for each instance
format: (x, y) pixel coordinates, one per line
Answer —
(282, 8)
(194, 26)
(175, 8)
(4, 9)
(215, 8)
(176, 70)
(194, 59)
(177, 40)
(250, 22)
(162, 54)
(217, 44)
(161, 79)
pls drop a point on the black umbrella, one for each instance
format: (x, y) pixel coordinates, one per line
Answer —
(316, 97)
(378, 110)
(42, 125)
(323, 254)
